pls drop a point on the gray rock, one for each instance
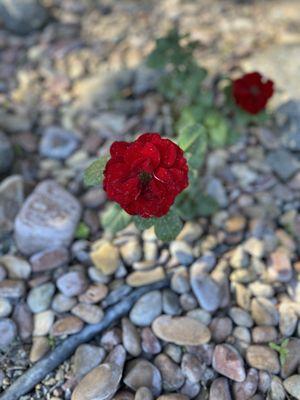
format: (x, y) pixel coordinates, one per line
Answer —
(150, 343)
(8, 332)
(48, 217)
(192, 368)
(12, 289)
(17, 267)
(283, 163)
(49, 259)
(40, 297)
(277, 391)
(22, 16)
(263, 358)
(206, 290)
(143, 393)
(72, 283)
(142, 373)
(219, 390)
(264, 312)
(6, 151)
(11, 200)
(131, 338)
(63, 303)
(172, 377)
(182, 252)
(171, 305)
(292, 359)
(217, 191)
(241, 317)
(221, 328)
(58, 143)
(292, 386)
(5, 308)
(147, 308)
(24, 320)
(245, 390)
(291, 140)
(86, 358)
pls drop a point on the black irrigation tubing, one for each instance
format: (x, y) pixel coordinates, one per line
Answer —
(38, 371)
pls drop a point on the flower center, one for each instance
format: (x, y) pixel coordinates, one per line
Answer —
(145, 177)
(254, 90)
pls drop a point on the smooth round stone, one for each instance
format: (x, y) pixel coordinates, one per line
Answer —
(12, 289)
(150, 343)
(263, 358)
(264, 334)
(246, 389)
(97, 276)
(172, 376)
(146, 309)
(100, 383)
(221, 328)
(171, 304)
(86, 358)
(111, 338)
(141, 278)
(5, 308)
(292, 386)
(228, 362)
(292, 359)
(219, 390)
(287, 320)
(49, 259)
(192, 368)
(241, 317)
(62, 303)
(142, 373)
(182, 252)
(130, 337)
(40, 297)
(72, 283)
(190, 389)
(67, 326)
(16, 267)
(23, 318)
(131, 251)
(206, 290)
(89, 313)
(94, 293)
(43, 322)
(181, 330)
(143, 393)
(180, 281)
(40, 347)
(57, 143)
(8, 332)
(264, 312)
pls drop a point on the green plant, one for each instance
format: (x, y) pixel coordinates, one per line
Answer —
(281, 350)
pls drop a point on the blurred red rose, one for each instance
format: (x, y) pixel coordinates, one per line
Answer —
(252, 91)
(145, 176)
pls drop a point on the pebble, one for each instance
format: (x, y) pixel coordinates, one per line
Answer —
(130, 338)
(206, 290)
(5, 308)
(94, 293)
(12, 289)
(171, 305)
(276, 389)
(190, 232)
(201, 315)
(131, 251)
(254, 247)
(173, 396)
(86, 358)
(292, 359)
(143, 393)
(263, 358)
(219, 390)
(283, 163)
(49, 215)
(228, 362)
(8, 332)
(57, 143)
(264, 312)
(11, 200)
(100, 383)
(246, 389)
(89, 313)
(190, 389)
(111, 338)
(141, 278)
(49, 259)
(172, 376)
(192, 368)
(150, 343)
(106, 257)
(241, 317)
(146, 309)
(3, 273)
(221, 328)
(180, 281)
(182, 252)
(181, 330)
(43, 322)
(62, 303)
(24, 321)
(264, 334)
(16, 267)
(40, 347)
(288, 320)
(72, 283)
(40, 297)
(280, 268)
(142, 373)
(292, 386)
(67, 326)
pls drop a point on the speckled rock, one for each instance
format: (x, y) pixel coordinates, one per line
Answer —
(67, 326)
(219, 390)
(72, 283)
(40, 297)
(263, 358)
(142, 373)
(172, 376)
(49, 216)
(228, 362)
(89, 313)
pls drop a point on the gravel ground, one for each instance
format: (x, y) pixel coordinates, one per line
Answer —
(66, 93)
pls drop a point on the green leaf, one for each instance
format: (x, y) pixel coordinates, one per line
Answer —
(207, 205)
(143, 223)
(168, 227)
(281, 350)
(115, 219)
(93, 175)
(217, 128)
(82, 231)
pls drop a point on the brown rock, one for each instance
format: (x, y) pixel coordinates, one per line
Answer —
(140, 278)
(181, 330)
(228, 362)
(141, 373)
(172, 376)
(94, 293)
(49, 259)
(40, 347)
(67, 326)
(13, 289)
(263, 358)
(89, 313)
(219, 390)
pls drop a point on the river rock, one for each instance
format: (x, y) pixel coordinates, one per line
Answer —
(181, 330)
(219, 390)
(49, 259)
(86, 358)
(49, 216)
(40, 297)
(100, 383)
(17, 267)
(89, 313)
(130, 337)
(67, 326)
(13, 289)
(140, 278)
(8, 332)
(142, 373)
(172, 376)
(146, 309)
(40, 347)
(72, 283)
(263, 358)
(11, 200)
(292, 386)
(5, 308)
(228, 362)
(58, 143)
(105, 256)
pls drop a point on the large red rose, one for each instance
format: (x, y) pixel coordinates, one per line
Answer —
(145, 176)
(252, 91)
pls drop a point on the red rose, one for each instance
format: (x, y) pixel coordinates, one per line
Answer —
(145, 176)
(252, 91)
